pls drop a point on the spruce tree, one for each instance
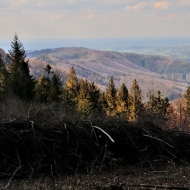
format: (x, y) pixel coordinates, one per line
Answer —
(157, 107)
(88, 97)
(55, 90)
(42, 89)
(48, 70)
(122, 102)
(110, 96)
(83, 98)
(135, 102)
(49, 87)
(71, 87)
(20, 82)
(94, 92)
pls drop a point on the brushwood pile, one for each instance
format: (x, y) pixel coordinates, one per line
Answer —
(30, 149)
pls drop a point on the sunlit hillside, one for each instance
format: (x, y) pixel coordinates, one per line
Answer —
(98, 66)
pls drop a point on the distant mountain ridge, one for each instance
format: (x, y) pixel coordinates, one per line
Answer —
(168, 67)
(98, 66)
(151, 71)
(3, 54)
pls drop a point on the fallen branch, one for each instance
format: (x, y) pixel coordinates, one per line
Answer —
(11, 178)
(105, 133)
(158, 140)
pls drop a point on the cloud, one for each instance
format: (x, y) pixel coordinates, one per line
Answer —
(171, 16)
(136, 7)
(161, 5)
(90, 16)
(40, 4)
(23, 1)
(57, 17)
(185, 2)
(71, 2)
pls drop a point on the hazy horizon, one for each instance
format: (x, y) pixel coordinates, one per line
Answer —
(115, 44)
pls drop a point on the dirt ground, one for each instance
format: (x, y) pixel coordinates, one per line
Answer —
(133, 177)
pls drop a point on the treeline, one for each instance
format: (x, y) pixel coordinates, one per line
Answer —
(84, 98)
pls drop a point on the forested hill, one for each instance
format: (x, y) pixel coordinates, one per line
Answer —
(98, 66)
(169, 67)
(2, 52)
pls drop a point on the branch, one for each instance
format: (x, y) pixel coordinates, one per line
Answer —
(14, 173)
(105, 133)
(11, 178)
(158, 140)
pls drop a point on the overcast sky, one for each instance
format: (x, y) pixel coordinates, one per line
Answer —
(45, 19)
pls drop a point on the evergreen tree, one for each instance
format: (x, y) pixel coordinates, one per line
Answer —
(122, 102)
(83, 98)
(103, 101)
(88, 97)
(20, 82)
(42, 89)
(48, 70)
(49, 88)
(71, 87)
(94, 92)
(55, 88)
(187, 104)
(157, 107)
(135, 103)
(110, 96)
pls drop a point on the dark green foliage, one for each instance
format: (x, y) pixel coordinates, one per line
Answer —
(19, 82)
(110, 97)
(135, 102)
(42, 89)
(88, 97)
(157, 107)
(55, 88)
(71, 89)
(123, 102)
(48, 70)
(48, 89)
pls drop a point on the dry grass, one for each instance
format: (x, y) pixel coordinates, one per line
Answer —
(169, 175)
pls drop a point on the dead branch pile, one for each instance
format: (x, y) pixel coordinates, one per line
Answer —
(28, 149)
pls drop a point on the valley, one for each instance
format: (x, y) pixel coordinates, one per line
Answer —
(153, 72)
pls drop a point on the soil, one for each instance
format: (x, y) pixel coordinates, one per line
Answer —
(133, 177)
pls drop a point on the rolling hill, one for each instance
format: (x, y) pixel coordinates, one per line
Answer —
(98, 66)
(3, 54)
(168, 67)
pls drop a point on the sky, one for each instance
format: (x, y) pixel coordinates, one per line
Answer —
(55, 19)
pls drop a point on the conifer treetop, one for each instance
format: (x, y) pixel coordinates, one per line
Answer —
(17, 52)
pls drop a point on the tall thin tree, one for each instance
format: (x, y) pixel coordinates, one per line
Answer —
(20, 82)
(135, 102)
(110, 97)
(71, 87)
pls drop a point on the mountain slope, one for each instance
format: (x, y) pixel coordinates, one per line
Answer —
(3, 54)
(170, 68)
(98, 66)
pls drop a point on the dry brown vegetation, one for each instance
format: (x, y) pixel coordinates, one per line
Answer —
(51, 149)
(128, 178)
